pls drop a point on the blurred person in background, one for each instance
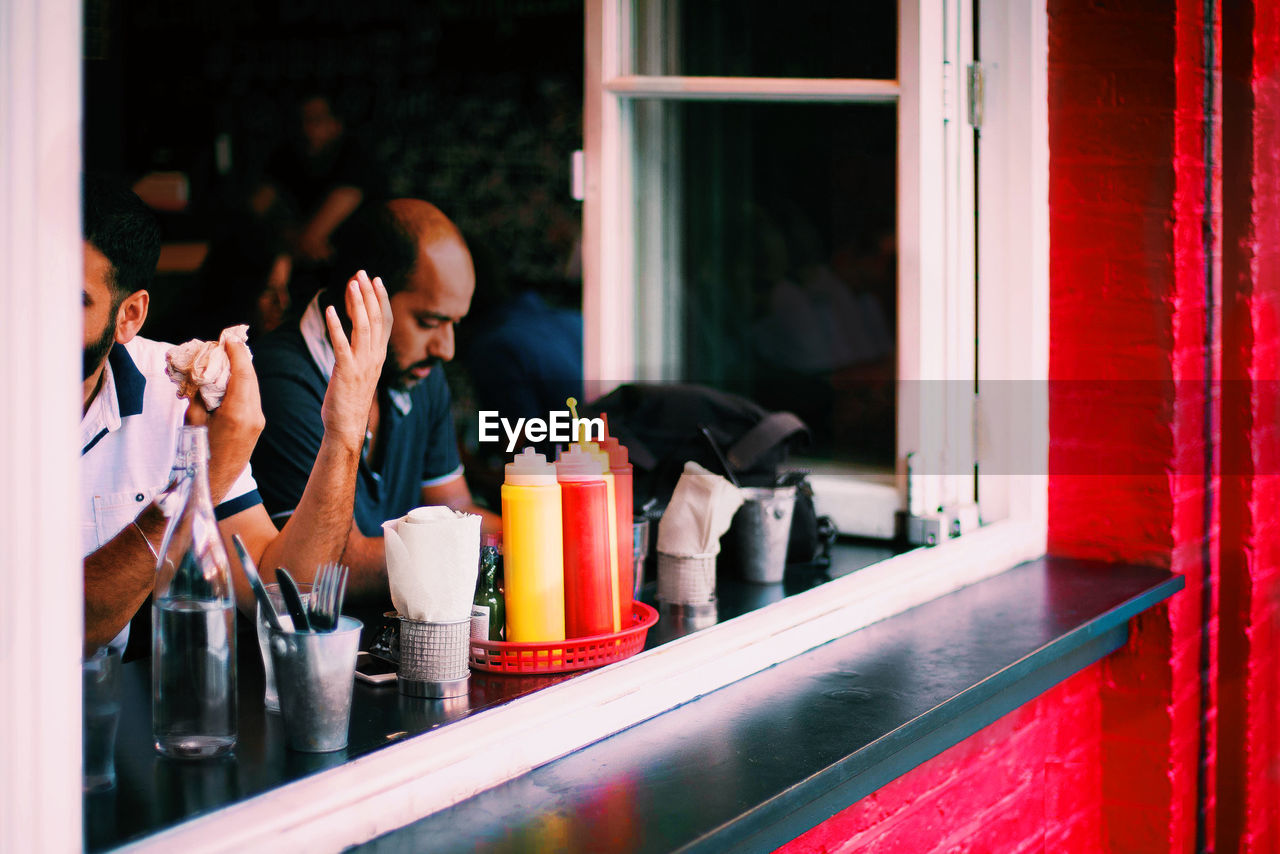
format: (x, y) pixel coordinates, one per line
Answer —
(313, 184)
(522, 354)
(244, 279)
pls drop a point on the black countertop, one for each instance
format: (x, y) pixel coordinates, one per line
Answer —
(153, 793)
(757, 763)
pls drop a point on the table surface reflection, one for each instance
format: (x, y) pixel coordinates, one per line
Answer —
(152, 792)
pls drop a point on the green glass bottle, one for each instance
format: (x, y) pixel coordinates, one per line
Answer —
(488, 606)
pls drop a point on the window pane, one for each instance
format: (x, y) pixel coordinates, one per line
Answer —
(766, 242)
(764, 38)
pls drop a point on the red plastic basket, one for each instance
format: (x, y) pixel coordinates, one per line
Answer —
(564, 656)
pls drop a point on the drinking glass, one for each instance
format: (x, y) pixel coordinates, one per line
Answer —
(270, 698)
(100, 685)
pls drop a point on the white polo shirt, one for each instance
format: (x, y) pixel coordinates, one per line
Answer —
(128, 440)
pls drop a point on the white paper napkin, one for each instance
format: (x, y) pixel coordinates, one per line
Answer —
(432, 558)
(700, 511)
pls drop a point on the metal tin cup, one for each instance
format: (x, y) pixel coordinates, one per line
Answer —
(315, 672)
(762, 528)
(433, 658)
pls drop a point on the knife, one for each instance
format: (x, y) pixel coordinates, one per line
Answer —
(293, 600)
(255, 582)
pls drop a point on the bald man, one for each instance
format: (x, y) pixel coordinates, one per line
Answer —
(410, 456)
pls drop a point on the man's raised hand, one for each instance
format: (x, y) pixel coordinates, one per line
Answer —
(358, 362)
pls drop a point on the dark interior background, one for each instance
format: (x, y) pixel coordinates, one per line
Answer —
(475, 106)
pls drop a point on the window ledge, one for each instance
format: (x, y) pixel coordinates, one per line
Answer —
(417, 777)
(779, 752)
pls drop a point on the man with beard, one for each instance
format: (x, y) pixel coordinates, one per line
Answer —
(132, 419)
(410, 455)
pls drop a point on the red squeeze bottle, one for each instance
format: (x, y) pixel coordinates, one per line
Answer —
(584, 505)
(620, 468)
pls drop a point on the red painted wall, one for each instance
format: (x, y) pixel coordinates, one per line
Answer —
(1249, 735)
(1128, 755)
(1028, 782)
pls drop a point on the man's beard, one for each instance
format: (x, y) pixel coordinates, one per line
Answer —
(96, 353)
(403, 380)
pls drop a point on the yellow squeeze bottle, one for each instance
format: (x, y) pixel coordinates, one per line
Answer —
(615, 579)
(533, 553)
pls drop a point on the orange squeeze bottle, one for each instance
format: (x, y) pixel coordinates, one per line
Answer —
(533, 550)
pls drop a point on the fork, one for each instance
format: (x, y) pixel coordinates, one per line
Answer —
(326, 597)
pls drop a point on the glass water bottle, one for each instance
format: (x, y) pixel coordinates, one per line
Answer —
(193, 641)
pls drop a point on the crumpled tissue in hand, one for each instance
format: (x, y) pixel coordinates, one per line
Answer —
(203, 366)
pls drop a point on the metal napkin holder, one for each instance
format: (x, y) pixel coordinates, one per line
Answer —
(433, 658)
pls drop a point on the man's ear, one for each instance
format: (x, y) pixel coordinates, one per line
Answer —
(131, 315)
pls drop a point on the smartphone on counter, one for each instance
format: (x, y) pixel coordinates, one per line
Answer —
(374, 670)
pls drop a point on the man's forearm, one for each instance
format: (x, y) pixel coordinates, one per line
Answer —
(316, 532)
(490, 522)
(118, 577)
(319, 527)
(367, 558)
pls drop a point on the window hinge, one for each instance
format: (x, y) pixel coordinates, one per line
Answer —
(977, 92)
(948, 89)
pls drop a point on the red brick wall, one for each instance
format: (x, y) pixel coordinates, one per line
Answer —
(1249, 735)
(1149, 304)
(1111, 759)
(1127, 350)
(1028, 782)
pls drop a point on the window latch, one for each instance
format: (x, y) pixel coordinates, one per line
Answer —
(926, 529)
(929, 529)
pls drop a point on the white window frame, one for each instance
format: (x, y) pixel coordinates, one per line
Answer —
(40, 324)
(403, 782)
(628, 337)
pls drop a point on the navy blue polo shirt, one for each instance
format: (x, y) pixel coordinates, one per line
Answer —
(419, 446)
